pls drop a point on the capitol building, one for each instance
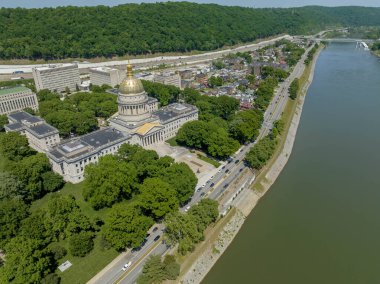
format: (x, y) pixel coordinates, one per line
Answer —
(138, 115)
(138, 121)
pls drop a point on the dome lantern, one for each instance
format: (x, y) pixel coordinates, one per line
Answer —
(131, 85)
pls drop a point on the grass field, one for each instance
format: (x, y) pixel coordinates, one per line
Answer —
(172, 142)
(216, 164)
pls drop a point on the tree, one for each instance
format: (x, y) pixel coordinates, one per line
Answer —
(171, 267)
(27, 261)
(81, 244)
(153, 271)
(245, 125)
(14, 146)
(58, 252)
(3, 121)
(108, 181)
(219, 145)
(157, 198)
(218, 64)
(51, 278)
(260, 153)
(156, 271)
(52, 181)
(12, 212)
(181, 228)
(30, 170)
(294, 88)
(10, 186)
(126, 226)
(182, 179)
(215, 81)
(205, 213)
(38, 226)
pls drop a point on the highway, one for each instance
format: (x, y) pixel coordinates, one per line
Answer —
(228, 173)
(150, 62)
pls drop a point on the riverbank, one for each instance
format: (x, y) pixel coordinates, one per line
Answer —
(249, 198)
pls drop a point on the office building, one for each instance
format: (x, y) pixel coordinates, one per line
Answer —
(57, 78)
(17, 98)
(168, 79)
(106, 76)
(41, 136)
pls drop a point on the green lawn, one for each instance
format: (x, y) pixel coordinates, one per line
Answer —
(84, 268)
(172, 142)
(213, 162)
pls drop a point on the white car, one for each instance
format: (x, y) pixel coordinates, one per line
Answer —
(126, 266)
(187, 208)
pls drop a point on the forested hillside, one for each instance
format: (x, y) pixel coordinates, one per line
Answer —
(87, 32)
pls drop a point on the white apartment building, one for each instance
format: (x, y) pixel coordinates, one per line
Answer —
(17, 98)
(57, 78)
(41, 136)
(168, 79)
(106, 75)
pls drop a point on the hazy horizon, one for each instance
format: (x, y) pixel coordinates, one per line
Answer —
(244, 3)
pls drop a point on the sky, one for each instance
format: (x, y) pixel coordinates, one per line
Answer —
(245, 3)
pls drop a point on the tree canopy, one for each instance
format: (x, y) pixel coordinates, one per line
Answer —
(89, 32)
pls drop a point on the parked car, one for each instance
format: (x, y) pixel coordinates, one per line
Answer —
(203, 194)
(156, 238)
(187, 208)
(212, 185)
(127, 265)
(155, 229)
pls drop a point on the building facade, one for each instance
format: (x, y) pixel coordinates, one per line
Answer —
(57, 78)
(41, 136)
(168, 79)
(106, 76)
(70, 158)
(17, 98)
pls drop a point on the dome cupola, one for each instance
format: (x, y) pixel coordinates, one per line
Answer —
(131, 85)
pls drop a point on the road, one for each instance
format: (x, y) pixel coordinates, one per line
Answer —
(228, 173)
(150, 62)
(115, 271)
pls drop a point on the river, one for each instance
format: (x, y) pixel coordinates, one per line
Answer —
(320, 221)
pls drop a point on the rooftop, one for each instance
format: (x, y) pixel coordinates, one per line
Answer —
(174, 110)
(22, 116)
(87, 144)
(43, 129)
(56, 67)
(146, 128)
(13, 90)
(103, 69)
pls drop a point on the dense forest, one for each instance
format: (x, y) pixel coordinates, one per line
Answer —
(87, 32)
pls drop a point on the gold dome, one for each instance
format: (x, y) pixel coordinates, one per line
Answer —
(130, 85)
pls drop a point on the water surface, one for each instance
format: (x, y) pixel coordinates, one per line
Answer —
(320, 222)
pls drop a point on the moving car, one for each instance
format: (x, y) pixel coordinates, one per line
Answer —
(126, 266)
